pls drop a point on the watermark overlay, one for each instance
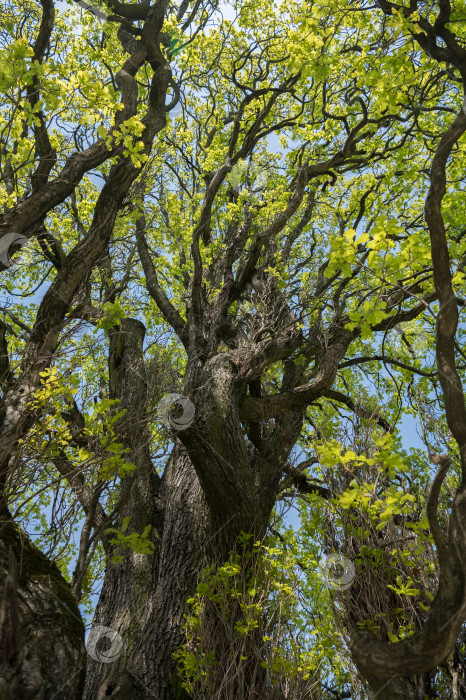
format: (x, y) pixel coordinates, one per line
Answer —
(337, 572)
(237, 174)
(258, 176)
(176, 411)
(411, 342)
(9, 241)
(97, 650)
(13, 241)
(94, 10)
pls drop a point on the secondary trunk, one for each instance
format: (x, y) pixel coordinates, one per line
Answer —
(41, 631)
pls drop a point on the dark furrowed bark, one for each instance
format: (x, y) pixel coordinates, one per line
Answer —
(188, 546)
(192, 540)
(42, 651)
(128, 585)
(144, 597)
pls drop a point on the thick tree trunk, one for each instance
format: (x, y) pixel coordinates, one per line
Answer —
(401, 688)
(41, 631)
(145, 602)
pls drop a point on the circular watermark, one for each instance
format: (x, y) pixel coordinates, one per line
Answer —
(237, 174)
(176, 411)
(259, 176)
(7, 243)
(98, 650)
(337, 572)
(411, 342)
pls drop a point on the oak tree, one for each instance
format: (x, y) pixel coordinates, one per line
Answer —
(232, 240)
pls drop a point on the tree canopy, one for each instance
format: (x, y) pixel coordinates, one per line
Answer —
(232, 250)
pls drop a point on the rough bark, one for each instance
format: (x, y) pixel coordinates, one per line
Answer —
(401, 688)
(42, 651)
